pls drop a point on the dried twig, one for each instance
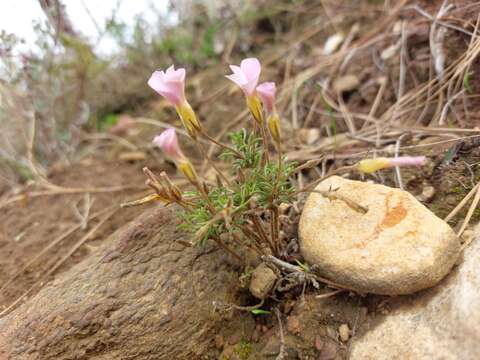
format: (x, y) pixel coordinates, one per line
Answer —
(281, 354)
(462, 203)
(469, 215)
(227, 306)
(329, 294)
(85, 215)
(332, 195)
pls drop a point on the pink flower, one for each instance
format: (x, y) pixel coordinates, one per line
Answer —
(169, 84)
(246, 75)
(168, 142)
(408, 161)
(371, 165)
(266, 91)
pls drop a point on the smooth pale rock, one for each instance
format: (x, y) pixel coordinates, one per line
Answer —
(397, 247)
(263, 279)
(439, 323)
(309, 135)
(346, 83)
(344, 332)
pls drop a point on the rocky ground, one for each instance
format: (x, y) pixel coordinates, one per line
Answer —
(81, 278)
(315, 324)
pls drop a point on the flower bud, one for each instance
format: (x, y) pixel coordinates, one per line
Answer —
(168, 142)
(267, 91)
(189, 119)
(187, 169)
(273, 123)
(255, 107)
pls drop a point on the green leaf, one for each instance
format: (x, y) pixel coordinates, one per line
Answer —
(259, 312)
(305, 267)
(108, 121)
(466, 82)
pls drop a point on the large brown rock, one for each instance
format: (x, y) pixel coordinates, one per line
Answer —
(141, 295)
(397, 247)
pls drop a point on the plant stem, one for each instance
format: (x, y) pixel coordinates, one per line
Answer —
(204, 194)
(352, 204)
(265, 143)
(222, 145)
(258, 226)
(204, 153)
(255, 248)
(274, 223)
(229, 250)
(276, 226)
(250, 234)
(273, 231)
(313, 184)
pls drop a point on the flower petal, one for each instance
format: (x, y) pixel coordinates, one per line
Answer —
(251, 68)
(157, 81)
(267, 91)
(408, 161)
(168, 142)
(179, 75)
(246, 75)
(237, 79)
(169, 84)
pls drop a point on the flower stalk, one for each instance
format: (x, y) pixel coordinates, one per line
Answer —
(241, 209)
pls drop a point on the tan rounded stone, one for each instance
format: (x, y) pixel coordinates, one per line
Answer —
(344, 332)
(397, 247)
(263, 279)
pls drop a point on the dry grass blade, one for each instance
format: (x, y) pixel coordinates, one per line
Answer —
(462, 203)
(472, 208)
(281, 353)
(329, 294)
(67, 191)
(55, 242)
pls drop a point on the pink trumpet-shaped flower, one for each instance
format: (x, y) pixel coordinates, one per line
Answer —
(371, 165)
(408, 161)
(168, 142)
(170, 84)
(246, 75)
(266, 91)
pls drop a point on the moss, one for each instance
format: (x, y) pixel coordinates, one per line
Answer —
(243, 349)
(457, 190)
(443, 205)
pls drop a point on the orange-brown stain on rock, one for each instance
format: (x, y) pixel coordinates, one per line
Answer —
(393, 216)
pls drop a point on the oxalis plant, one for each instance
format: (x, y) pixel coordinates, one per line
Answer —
(242, 209)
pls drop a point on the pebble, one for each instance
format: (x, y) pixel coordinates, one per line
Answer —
(346, 83)
(263, 280)
(344, 332)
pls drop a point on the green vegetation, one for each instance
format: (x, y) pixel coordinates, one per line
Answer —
(257, 184)
(243, 349)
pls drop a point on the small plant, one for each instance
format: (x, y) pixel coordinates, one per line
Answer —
(240, 209)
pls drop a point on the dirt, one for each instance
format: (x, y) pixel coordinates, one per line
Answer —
(29, 226)
(33, 224)
(310, 325)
